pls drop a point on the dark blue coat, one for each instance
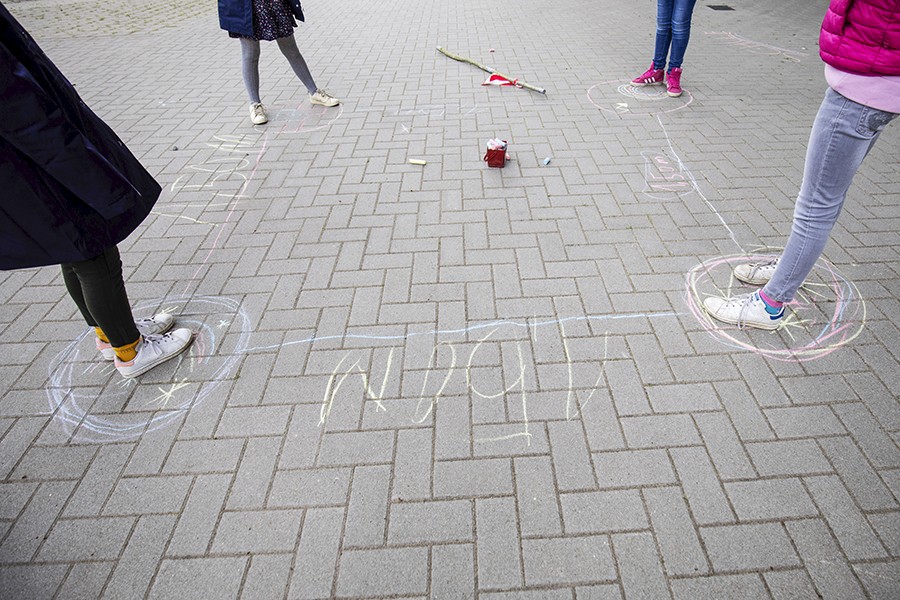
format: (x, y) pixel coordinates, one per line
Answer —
(69, 188)
(236, 16)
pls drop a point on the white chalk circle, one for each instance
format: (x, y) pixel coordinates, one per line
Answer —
(624, 99)
(93, 403)
(826, 314)
(304, 118)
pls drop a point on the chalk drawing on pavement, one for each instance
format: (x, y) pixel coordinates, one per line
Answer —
(756, 47)
(94, 404)
(621, 98)
(827, 313)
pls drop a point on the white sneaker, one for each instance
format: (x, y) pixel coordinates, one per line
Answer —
(153, 350)
(745, 310)
(258, 113)
(756, 273)
(154, 325)
(323, 98)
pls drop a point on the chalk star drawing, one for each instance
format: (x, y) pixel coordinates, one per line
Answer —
(166, 395)
(223, 323)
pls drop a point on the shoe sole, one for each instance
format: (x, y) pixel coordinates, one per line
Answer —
(158, 361)
(775, 324)
(259, 122)
(646, 84)
(671, 95)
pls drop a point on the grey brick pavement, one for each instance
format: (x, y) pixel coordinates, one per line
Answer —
(449, 381)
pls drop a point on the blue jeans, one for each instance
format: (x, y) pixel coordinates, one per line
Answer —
(842, 135)
(673, 27)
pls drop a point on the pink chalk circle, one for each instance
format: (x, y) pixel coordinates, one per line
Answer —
(827, 313)
(620, 97)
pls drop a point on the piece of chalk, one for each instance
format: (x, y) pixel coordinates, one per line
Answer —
(547, 160)
(415, 161)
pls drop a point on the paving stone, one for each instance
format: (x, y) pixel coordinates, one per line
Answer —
(600, 512)
(146, 495)
(453, 571)
(702, 487)
(568, 561)
(737, 587)
(660, 431)
(85, 580)
(640, 567)
(32, 527)
(770, 499)
(317, 554)
(830, 574)
(633, 468)
(206, 578)
(367, 510)
(255, 532)
(32, 581)
(267, 577)
(424, 523)
(742, 547)
(313, 487)
(857, 474)
(794, 583)
(497, 548)
(879, 579)
(96, 485)
(199, 517)
(536, 495)
(845, 519)
(86, 539)
(139, 561)
(681, 550)
(797, 457)
(383, 572)
(478, 477)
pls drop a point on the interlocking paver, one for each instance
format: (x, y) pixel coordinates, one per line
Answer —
(602, 442)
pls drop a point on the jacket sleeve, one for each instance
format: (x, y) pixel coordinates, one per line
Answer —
(35, 126)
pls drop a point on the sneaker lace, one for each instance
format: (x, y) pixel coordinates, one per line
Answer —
(755, 267)
(325, 95)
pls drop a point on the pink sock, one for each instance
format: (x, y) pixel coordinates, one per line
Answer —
(769, 301)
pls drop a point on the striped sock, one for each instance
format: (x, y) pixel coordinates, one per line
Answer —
(772, 306)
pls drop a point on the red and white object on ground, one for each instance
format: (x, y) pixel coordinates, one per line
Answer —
(496, 156)
(496, 79)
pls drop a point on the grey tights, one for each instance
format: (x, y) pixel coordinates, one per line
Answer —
(250, 64)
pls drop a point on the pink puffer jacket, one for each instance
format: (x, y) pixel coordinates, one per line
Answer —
(862, 36)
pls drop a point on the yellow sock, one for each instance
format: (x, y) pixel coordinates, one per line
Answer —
(127, 352)
(101, 335)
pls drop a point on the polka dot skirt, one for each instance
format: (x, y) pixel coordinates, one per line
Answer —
(272, 19)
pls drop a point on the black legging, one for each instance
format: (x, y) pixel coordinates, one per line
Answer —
(97, 287)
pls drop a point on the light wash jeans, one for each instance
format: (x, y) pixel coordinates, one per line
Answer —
(673, 27)
(842, 135)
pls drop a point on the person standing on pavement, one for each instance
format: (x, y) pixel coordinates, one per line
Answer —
(860, 44)
(71, 192)
(253, 20)
(673, 31)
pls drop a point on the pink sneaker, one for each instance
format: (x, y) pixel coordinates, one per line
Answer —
(650, 77)
(673, 82)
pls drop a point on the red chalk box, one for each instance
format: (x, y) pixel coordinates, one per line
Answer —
(495, 157)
